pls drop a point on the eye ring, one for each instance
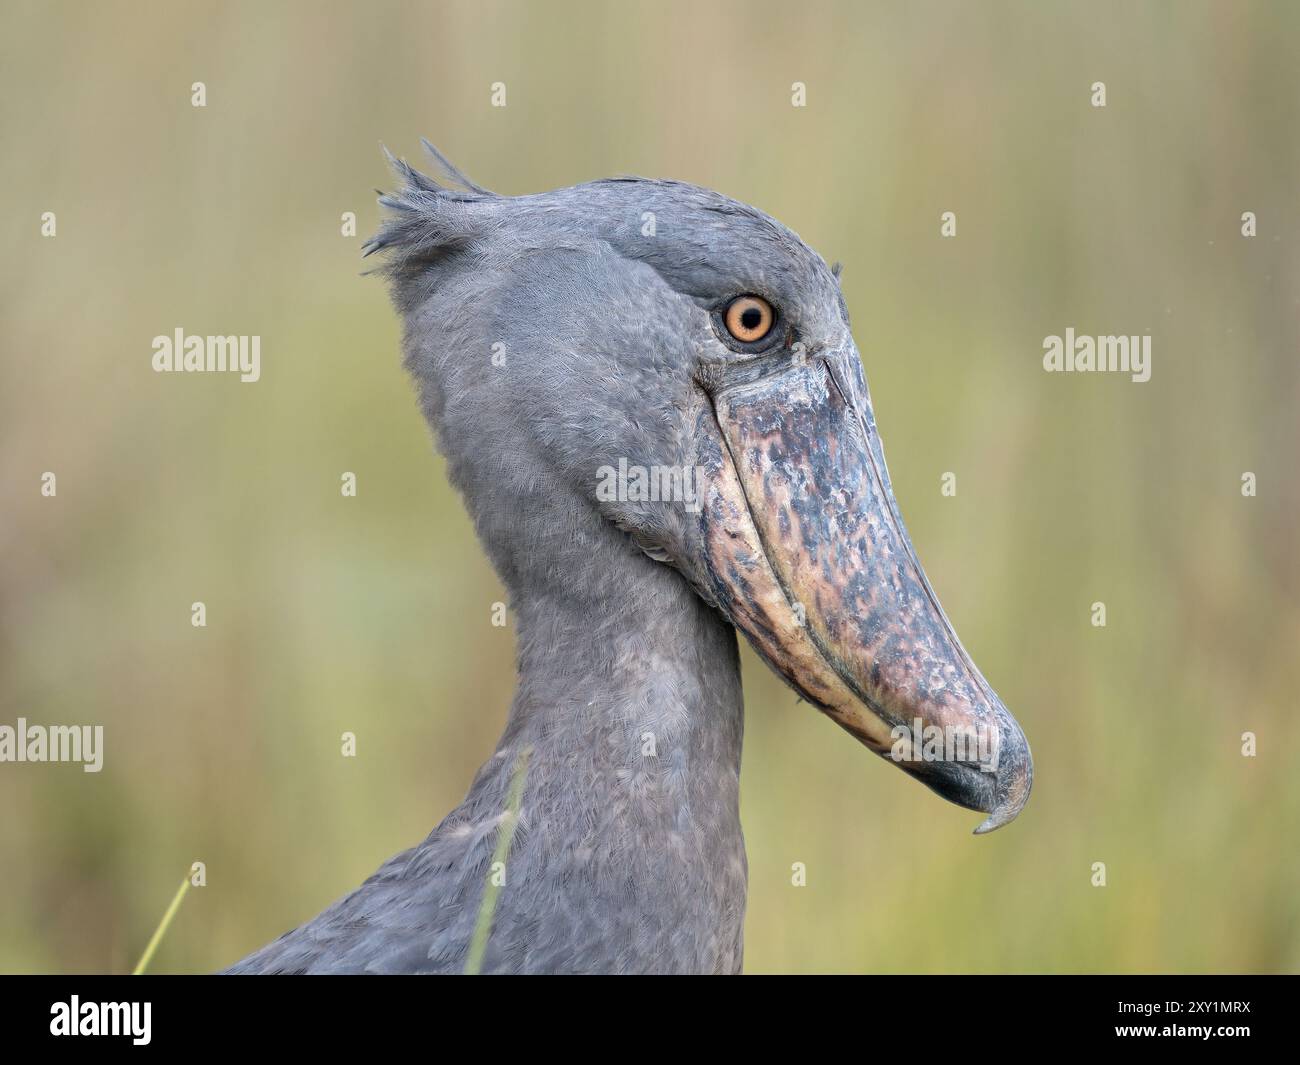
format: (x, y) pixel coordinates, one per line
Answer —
(749, 319)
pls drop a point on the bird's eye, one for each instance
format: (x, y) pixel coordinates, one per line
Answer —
(748, 318)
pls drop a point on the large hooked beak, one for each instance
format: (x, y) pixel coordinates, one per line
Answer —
(808, 556)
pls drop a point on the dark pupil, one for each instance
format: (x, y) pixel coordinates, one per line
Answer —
(750, 317)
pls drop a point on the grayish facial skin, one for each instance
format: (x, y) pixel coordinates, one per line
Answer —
(625, 610)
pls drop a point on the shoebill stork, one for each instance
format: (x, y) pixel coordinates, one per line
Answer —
(702, 350)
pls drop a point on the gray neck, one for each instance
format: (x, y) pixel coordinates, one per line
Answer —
(629, 697)
(630, 653)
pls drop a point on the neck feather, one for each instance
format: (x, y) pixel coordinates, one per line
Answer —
(629, 700)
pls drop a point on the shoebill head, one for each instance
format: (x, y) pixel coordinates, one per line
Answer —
(678, 368)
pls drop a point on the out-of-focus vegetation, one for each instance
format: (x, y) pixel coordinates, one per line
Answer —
(372, 614)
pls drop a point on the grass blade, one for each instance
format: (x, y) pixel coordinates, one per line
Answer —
(161, 930)
(505, 837)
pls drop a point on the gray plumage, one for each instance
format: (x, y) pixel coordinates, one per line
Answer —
(599, 304)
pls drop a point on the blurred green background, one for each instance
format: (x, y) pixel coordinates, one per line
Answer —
(372, 614)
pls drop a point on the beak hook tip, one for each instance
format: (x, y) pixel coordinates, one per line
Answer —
(1012, 795)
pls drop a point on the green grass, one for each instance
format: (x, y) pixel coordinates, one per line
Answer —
(492, 888)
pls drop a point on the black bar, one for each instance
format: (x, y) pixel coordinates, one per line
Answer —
(340, 1014)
